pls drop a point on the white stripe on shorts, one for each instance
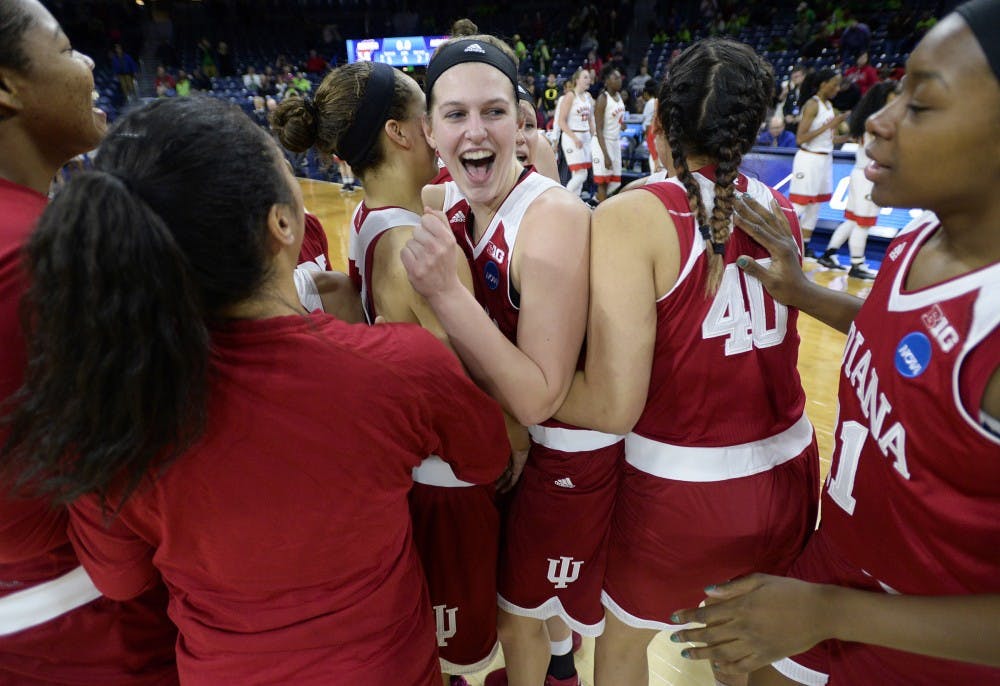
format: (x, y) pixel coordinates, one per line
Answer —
(685, 463)
(39, 604)
(571, 440)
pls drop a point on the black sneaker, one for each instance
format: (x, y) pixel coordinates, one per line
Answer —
(830, 262)
(860, 271)
(809, 254)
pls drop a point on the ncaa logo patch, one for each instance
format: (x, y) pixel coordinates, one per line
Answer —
(800, 175)
(491, 272)
(913, 355)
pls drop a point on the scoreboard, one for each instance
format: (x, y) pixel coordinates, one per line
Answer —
(400, 51)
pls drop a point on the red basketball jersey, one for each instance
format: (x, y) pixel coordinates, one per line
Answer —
(369, 225)
(315, 250)
(724, 366)
(443, 176)
(490, 256)
(913, 495)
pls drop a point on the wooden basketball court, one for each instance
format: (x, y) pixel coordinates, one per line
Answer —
(819, 367)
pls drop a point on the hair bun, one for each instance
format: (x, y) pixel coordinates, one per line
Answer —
(296, 123)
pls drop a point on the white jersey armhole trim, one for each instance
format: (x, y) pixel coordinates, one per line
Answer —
(512, 210)
(985, 320)
(790, 669)
(376, 223)
(904, 302)
(696, 246)
(759, 191)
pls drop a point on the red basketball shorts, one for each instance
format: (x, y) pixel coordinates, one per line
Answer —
(670, 538)
(456, 532)
(555, 550)
(844, 664)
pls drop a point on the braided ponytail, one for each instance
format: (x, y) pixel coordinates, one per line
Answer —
(711, 105)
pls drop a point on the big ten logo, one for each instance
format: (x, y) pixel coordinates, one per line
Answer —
(939, 326)
(495, 252)
(447, 623)
(564, 571)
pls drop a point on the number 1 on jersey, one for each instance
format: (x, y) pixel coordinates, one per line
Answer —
(841, 487)
(743, 323)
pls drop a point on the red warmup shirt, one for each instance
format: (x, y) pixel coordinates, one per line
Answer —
(284, 535)
(102, 642)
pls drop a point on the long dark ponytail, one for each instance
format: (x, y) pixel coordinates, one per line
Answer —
(812, 82)
(128, 265)
(870, 103)
(711, 104)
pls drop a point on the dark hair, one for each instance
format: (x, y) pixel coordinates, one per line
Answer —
(607, 69)
(650, 88)
(812, 82)
(870, 103)
(128, 264)
(14, 22)
(712, 103)
(300, 125)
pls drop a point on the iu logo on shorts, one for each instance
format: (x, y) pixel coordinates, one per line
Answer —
(446, 623)
(564, 571)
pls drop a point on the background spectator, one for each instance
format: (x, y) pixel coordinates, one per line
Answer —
(316, 64)
(776, 136)
(125, 70)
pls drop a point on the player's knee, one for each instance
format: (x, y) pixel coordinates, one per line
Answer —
(514, 627)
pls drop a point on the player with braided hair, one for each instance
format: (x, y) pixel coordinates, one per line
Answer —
(722, 469)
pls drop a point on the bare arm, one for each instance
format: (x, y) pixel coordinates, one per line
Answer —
(529, 380)
(565, 104)
(784, 279)
(759, 619)
(809, 112)
(602, 104)
(340, 297)
(394, 297)
(545, 159)
(610, 394)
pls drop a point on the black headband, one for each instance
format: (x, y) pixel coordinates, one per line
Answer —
(360, 137)
(983, 17)
(523, 94)
(469, 50)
